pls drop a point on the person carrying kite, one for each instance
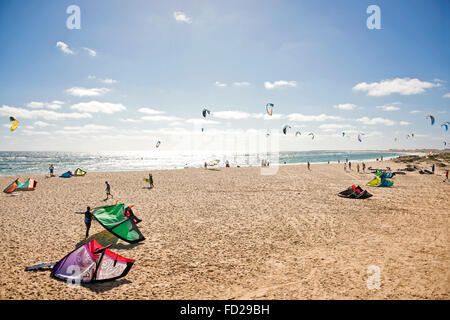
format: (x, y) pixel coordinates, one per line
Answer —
(87, 219)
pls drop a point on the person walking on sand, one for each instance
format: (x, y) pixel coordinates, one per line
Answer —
(446, 176)
(432, 168)
(350, 166)
(357, 167)
(345, 166)
(108, 190)
(87, 219)
(364, 167)
(206, 165)
(51, 168)
(150, 180)
(309, 166)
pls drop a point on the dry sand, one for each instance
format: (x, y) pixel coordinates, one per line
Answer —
(233, 233)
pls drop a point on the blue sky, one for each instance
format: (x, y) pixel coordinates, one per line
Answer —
(141, 71)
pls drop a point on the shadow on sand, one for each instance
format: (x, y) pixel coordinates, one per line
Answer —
(105, 238)
(101, 287)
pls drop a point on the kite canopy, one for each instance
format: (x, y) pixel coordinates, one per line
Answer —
(158, 143)
(67, 174)
(311, 134)
(79, 173)
(92, 263)
(205, 111)
(298, 133)
(431, 118)
(354, 192)
(269, 108)
(120, 221)
(380, 182)
(343, 134)
(15, 123)
(445, 125)
(213, 163)
(285, 128)
(16, 185)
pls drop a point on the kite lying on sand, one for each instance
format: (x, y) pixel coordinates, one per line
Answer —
(120, 221)
(92, 263)
(354, 192)
(16, 185)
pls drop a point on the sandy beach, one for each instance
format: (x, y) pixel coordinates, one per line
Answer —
(232, 233)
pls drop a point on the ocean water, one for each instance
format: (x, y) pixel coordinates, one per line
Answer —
(22, 162)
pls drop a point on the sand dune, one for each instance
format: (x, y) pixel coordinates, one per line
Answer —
(236, 234)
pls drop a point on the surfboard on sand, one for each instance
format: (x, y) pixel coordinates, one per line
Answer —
(147, 180)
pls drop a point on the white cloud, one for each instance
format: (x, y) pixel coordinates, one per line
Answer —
(241, 84)
(236, 115)
(96, 106)
(298, 117)
(64, 47)
(220, 84)
(281, 83)
(109, 81)
(345, 106)
(160, 118)
(201, 121)
(91, 52)
(447, 95)
(415, 111)
(182, 17)
(388, 108)
(375, 121)
(403, 86)
(54, 105)
(130, 120)
(265, 116)
(86, 92)
(34, 132)
(150, 111)
(87, 129)
(42, 124)
(44, 114)
(334, 126)
(405, 123)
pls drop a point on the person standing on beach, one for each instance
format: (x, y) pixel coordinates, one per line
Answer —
(51, 168)
(345, 166)
(364, 167)
(87, 219)
(150, 180)
(350, 166)
(432, 168)
(108, 190)
(357, 167)
(309, 166)
(381, 158)
(206, 165)
(446, 176)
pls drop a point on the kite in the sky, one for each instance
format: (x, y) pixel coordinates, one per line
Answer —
(431, 118)
(285, 128)
(298, 133)
(359, 137)
(269, 108)
(343, 134)
(395, 139)
(15, 123)
(158, 143)
(445, 125)
(407, 136)
(205, 111)
(311, 134)
(412, 135)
